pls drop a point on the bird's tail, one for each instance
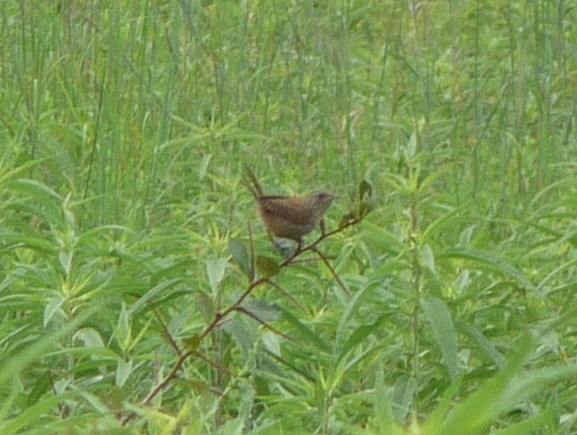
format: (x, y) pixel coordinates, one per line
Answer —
(252, 183)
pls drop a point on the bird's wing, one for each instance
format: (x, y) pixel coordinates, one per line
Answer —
(291, 209)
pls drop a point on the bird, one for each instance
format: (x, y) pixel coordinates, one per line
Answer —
(290, 217)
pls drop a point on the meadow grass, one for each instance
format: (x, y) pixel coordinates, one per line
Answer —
(138, 290)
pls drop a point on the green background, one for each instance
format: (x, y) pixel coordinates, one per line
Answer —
(125, 227)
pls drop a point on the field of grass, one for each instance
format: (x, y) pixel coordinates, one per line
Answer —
(139, 292)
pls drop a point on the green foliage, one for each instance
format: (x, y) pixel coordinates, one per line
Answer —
(138, 291)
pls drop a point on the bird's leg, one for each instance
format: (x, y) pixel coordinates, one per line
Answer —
(300, 243)
(322, 227)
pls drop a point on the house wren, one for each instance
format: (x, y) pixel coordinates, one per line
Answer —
(290, 217)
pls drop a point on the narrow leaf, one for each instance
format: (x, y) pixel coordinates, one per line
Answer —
(240, 256)
(441, 323)
(215, 269)
(494, 261)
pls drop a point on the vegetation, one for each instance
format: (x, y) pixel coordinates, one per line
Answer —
(139, 291)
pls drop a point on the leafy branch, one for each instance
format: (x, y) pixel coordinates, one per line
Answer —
(268, 269)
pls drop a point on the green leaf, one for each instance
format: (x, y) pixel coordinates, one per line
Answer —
(365, 197)
(508, 388)
(266, 266)
(243, 334)
(428, 257)
(32, 414)
(240, 256)
(271, 342)
(384, 418)
(123, 332)
(361, 333)
(215, 269)
(350, 311)
(306, 334)
(123, 370)
(53, 308)
(192, 343)
(12, 366)
(36, 189)
(403, 397)
(493, 260)
(365, 189)
(484, 344)
(411, 148)
(531, 425)
(203, 166)
(436, 418)
(441, 323)
(90, 337)
(263, 310)
(150, 295)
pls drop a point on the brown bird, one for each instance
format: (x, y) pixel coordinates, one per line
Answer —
(289, 217)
